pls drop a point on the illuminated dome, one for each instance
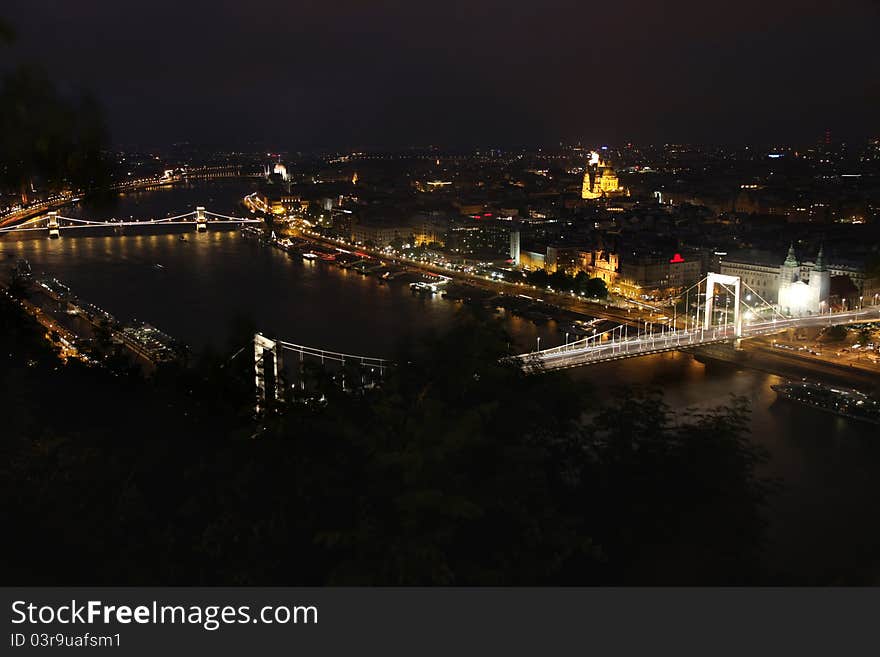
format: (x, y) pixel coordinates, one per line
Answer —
(600, 179)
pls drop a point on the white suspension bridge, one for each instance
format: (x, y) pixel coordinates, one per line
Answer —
(709, 317)
(269, 361)
(54, 223)
(704, 321)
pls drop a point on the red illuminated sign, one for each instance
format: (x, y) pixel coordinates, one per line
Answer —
(676, 258)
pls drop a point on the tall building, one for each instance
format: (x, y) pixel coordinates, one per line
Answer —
(515, 247)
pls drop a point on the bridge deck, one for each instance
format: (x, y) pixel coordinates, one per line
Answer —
(591, 350)
(62, 223)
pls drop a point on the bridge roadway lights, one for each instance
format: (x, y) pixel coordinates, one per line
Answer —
(54, 227)
(201, 221)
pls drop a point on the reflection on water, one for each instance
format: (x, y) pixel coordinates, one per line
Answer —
(830, 466)
(213, 278)
(820, 524)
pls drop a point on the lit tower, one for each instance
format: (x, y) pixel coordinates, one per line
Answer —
(589, 189)
(201, 221)
(794, 294)
(820, 281)
(267, 369)
(514, 247)
(790, 271)
(54, 227)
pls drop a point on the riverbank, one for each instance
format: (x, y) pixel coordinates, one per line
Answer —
(68, 198)
(79, 329)
(572, 303)
(758, 354)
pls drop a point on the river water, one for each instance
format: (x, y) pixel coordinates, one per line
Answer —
(821, 524)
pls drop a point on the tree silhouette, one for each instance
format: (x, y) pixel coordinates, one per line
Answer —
(47, 136)
(458, 469)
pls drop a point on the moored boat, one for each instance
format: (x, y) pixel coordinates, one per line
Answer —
(844, 402)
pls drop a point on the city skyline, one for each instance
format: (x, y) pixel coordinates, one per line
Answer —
(466, 294)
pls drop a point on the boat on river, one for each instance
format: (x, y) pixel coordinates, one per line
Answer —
(844, 402)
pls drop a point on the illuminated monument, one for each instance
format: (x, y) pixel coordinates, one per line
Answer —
(799, 297)
(278, 170)
(600, 179)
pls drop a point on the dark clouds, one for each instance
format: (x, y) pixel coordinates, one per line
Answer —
(379, 73)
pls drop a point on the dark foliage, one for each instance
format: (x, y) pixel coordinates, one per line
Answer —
(45, 135)
(459, 469)
(559, 280)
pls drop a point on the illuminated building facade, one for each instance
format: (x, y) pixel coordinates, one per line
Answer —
(432, 185)
(800, 297)
(572, 260)
(379, 235)
(429, 229)
(479, 237)
(566, 259)
(797, 288)
(600, 179)
(759, 270)
(657, 275)
(278, 170)
(532, 260)
(601, 263)
(515, 248)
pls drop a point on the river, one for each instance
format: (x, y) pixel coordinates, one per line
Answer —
(820, 523)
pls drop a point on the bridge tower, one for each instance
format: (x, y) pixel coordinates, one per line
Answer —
(201, 221)
(721, 279)
(267, 365)
(54, 227)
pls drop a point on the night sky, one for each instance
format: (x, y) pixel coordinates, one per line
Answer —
(378, 74)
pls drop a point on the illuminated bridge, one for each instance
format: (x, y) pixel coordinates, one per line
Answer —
(711, 318)
(717, 309)
(268, 365)
(53, 223)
